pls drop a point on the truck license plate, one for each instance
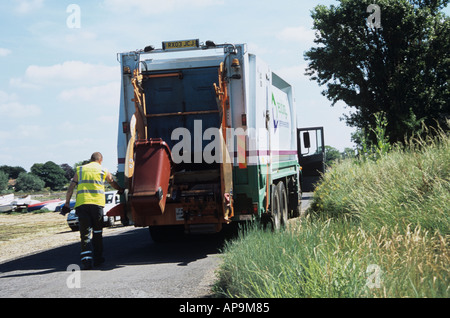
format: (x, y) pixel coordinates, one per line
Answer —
(176, 45)
(246, 217)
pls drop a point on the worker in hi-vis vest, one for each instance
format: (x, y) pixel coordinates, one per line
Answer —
(90, 200)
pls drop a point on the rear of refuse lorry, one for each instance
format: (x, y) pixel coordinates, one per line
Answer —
(207, 137)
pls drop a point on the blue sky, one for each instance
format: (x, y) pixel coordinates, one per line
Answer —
(60, 85)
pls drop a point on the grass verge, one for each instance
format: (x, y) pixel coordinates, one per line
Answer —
(19, 225)
(378, 229)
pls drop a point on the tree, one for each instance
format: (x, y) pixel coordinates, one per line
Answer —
(332, 154)
(348, 153)
(52, 174)
(80, 163)
(68, 171)
(12, 172)
(29, 182)
(3, 181)
(400, 68)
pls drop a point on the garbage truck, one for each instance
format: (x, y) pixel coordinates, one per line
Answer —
(207, 137)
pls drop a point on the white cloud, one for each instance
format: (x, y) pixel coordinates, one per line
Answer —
(108, 120)
(73, 73)
(75, 143)
(81, 148)
(4, 52)
(18, 110)
(19, 82)
(5, 97)
(33, 132)
(10, 107)
(257, 49)
(27, 6)
(294, 73)
(106, 95)
(80, 37)
(296, 34)
(157, 6)
(4, 136)
(7, 158)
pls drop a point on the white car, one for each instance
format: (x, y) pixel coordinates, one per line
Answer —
(112, 199)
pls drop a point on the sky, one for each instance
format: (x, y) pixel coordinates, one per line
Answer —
(60, 78)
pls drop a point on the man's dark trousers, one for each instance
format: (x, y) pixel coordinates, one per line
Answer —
(90, 218)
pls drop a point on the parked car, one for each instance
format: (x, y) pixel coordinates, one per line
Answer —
(112, 199)
(59, 207)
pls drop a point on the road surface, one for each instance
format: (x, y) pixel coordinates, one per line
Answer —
(135, 267)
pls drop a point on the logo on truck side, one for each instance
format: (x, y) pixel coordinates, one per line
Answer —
(279, 114)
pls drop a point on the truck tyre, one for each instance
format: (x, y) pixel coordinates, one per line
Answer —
(296, 203)
(111, 221)
(275, 208)
(283, 203)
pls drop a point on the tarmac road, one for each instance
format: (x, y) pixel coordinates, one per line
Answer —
(135, 267)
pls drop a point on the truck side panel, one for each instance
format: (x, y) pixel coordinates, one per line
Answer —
(271, 150)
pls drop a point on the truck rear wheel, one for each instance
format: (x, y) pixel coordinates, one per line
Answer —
(275, 208)
(283, 203)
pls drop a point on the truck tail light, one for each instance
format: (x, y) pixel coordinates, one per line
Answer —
(125, 127)
(255, 208)
(244, 119)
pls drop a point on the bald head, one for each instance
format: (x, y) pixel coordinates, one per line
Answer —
(97, 157)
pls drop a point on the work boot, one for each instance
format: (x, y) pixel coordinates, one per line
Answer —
(99, 261)
(86, 264)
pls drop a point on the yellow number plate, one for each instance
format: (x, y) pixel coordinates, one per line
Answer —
(177, 45)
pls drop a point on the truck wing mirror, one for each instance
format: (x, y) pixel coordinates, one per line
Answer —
(306, 140)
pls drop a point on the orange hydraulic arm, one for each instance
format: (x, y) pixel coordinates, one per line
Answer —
(226, 171)
(139, 103)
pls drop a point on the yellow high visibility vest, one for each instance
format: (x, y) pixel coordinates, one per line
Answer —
(91, 184)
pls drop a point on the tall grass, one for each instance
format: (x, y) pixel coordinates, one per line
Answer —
(333, 259)
(379, 228)
(408, 186)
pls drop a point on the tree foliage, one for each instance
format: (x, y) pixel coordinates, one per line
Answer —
(12, 172)
(29, 182)
(52, 174)
(3, 181)
(68, 171)
(41, 175)
(401, 69)
(332, 154)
